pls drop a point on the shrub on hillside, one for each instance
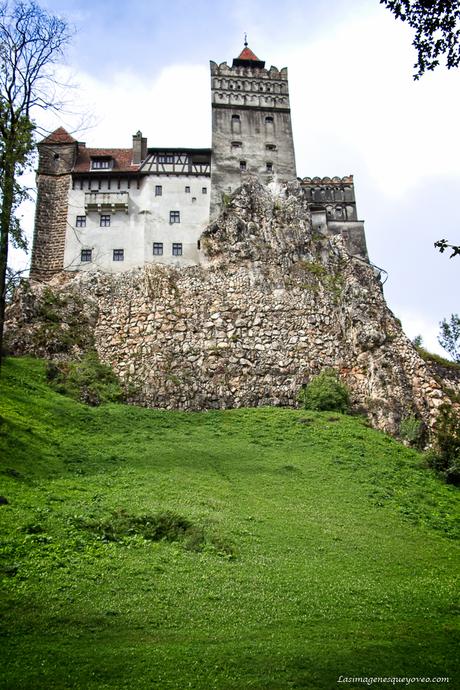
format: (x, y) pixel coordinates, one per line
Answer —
(445, 458)
(325, 392)
(412, 430)
(86, 380)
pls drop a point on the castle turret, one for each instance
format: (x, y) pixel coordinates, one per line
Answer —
(57, 154)
(251, 124)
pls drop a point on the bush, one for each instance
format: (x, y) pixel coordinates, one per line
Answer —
(445, 458)
(165, 526)
(86, 380)
(325, 392)
(411, 430)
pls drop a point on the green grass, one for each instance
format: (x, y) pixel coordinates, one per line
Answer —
(325, 549)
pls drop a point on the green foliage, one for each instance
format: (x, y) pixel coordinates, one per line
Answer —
(411, 430)
(346, 556)
(325, 392)
(437, 359)
(442, 245)
(86, 380)
(164, 526)
(445, 458)
(449, 336)
(436, 24)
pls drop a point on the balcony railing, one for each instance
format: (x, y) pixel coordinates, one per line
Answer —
(106, 201)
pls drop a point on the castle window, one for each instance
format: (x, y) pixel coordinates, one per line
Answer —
(80, 222)
(242, 166)
(158, 190)
(158, 249)
(118, 254)
(193, 199)
(174, 217)
(204, 190)
(198, 244)
(177, 249)
(187, 190)
(269, 120)
(86, 255)
(270, 147)
(236, 144)
(269, 167)
(104, 221)
(101, 163)
(236, 124)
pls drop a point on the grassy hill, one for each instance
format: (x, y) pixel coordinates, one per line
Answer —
(294, 548)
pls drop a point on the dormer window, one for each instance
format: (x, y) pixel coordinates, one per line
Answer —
(101, 163)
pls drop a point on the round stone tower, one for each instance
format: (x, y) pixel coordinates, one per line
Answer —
(57, 154)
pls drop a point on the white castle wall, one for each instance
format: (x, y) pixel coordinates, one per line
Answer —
(147, 221)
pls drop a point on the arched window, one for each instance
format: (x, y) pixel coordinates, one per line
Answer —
(236, 124)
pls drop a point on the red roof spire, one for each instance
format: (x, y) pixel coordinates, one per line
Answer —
(247, 58)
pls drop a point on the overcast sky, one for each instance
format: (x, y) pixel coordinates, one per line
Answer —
(144, 64)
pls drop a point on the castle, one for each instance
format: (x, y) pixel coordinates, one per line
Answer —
(116, 209)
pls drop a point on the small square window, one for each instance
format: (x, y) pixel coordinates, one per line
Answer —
(174, 216)
(187, 190)
(177, 249)
(236, 144)
(242, 165)
(269, 167)
(104, 222)
(86, 255)
(270, 147)
(158, 190)
(118, 254)
(158, 248)
(269, 119)
(204, 190)
(80, 222)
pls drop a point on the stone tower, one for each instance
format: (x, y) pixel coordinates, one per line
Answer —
(251, 125)
(57, 154)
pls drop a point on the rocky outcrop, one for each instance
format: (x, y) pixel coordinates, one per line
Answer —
(272, 306)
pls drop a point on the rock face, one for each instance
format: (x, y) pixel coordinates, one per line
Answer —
(273, 306)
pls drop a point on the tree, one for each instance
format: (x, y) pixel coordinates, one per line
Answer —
(449, 336)
(31, 43)
(442, 245)
(437, 30)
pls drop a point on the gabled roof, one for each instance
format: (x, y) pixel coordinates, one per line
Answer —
(59, 136)
(122, 160)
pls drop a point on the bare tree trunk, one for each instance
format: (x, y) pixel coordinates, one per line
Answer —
(5, 220)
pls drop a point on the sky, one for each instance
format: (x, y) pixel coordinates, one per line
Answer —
(355, 110)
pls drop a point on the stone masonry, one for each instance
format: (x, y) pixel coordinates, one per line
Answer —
(274, 305)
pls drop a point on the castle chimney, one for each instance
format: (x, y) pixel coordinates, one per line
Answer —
(139, 148)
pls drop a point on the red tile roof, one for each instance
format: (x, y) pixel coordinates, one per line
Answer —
(122, 159)
(59, 136)
(247, 54)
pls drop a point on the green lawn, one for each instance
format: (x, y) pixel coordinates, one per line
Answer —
(318, 548)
